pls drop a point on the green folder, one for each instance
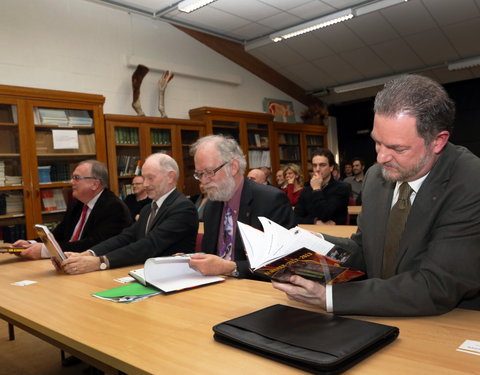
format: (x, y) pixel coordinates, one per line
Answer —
(127, 293)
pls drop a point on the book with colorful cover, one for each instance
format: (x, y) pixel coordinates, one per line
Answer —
(278, 253)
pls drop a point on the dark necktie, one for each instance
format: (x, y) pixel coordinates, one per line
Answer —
(395, 227)
(226, 251)
(83, 217)
(151, 218)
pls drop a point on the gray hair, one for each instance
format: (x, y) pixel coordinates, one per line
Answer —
(165, 163)
(99, 171)
(227, 147)
(419, 97)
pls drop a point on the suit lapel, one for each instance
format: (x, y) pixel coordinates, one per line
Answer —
(164, 207)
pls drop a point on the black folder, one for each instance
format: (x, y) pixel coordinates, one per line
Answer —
(315, 342)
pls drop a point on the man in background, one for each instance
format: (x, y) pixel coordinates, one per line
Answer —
(356, 181)
(419, 229)
(220, 166)
(168, 226)
(268, 174)
(258, 176)
(138, 198)
(280, 178)
(94, 215)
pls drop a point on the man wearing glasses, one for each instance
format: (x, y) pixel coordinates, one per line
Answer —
(94, 215)
(220, 166)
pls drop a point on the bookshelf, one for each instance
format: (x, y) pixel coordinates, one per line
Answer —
(43, 135)
(144, 136)
(296, 143)
(252, 130)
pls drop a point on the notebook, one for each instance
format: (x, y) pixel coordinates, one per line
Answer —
(51, 244)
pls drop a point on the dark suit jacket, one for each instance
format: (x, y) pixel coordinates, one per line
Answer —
(256, 200)
(174, 230)
(108, 217)
(438, 265)
(330, 203)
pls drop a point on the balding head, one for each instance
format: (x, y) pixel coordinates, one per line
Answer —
(257, 175)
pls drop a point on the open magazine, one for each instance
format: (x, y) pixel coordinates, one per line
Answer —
(171, 273)
(279, 253)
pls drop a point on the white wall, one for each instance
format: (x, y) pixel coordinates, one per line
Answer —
(78, 45)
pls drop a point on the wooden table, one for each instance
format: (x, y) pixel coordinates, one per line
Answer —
(172, 334)
(354, 210)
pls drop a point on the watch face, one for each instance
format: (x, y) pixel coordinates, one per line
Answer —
(103, 266)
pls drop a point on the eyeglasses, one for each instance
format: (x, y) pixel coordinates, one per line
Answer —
(208, 173)
(77, 178)
(137, 184)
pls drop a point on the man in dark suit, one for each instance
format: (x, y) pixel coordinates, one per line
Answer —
(435, 263)
(219, 166)
(166, 227)
(324, 200)
(95, 214)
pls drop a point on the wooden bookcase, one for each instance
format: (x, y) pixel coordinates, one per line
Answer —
(36, 165)
(252, 130)
(133, 138)
(295, 143)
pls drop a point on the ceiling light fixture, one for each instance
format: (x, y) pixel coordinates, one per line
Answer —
(377, 5)
(312, 25)
(364, 84)
(465, 63)
(188, 6)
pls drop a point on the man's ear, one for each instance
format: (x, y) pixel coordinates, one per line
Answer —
(171, 176)
(234, 166)
(440, 141)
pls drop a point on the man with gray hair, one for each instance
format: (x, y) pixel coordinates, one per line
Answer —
(220, 166)
(94, 215)
(419, 231)
(168, 226)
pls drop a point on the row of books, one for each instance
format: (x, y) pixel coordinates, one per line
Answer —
(11, 203)
(12, 233)
(257, 159)
(289, 153)
(127, 165)
(315, 140)
(125, 190)
(160, 137)
(257, 140)
(288, 139)
(55, 172)
(126, 136)
(53, 200)
(44, 144)
(62, 117)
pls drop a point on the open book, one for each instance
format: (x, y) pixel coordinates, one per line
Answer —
(51, 244)
(278, 253)
(171, 274)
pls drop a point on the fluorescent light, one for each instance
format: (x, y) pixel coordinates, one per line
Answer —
(312, 25)
(377, 5)
(188, 6)
(465, 63)
(364, 84)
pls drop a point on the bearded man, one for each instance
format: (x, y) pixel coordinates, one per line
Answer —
(220, 166)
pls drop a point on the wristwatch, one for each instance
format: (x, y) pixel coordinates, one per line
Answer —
(103, 262)
(235, 272)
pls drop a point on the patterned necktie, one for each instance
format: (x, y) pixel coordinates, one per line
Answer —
(151, 218)
(226, 251)
(395, 227)
(83, 217)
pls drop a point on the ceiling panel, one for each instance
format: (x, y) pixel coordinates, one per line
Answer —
(398, 55)
(432, 47)
(365, 61)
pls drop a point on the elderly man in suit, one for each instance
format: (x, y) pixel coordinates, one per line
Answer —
(419, 230)
(220, 166)
(168, 226)
(94, 215)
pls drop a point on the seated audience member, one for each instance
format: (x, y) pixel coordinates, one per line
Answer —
(336, 172)
(258, 176)
(356, 180)
(280, 178)
(199, 201)
(268, 173)
(347, 170)
(138, 199)
(94, 214)
(325, 201)
(419, 229)
(168, 226)
(220, 166)
(294, 177)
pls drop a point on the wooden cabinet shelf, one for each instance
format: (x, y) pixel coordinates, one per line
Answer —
(26, 142)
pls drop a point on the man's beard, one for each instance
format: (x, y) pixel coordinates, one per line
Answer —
(223, 191)
(405, 175)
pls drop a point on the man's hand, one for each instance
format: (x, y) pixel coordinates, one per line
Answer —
(32, 251)
(316, 181)
(303, 290)
(80, 263)
(209, 264)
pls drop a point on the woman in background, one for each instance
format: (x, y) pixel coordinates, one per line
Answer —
(294, 177)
